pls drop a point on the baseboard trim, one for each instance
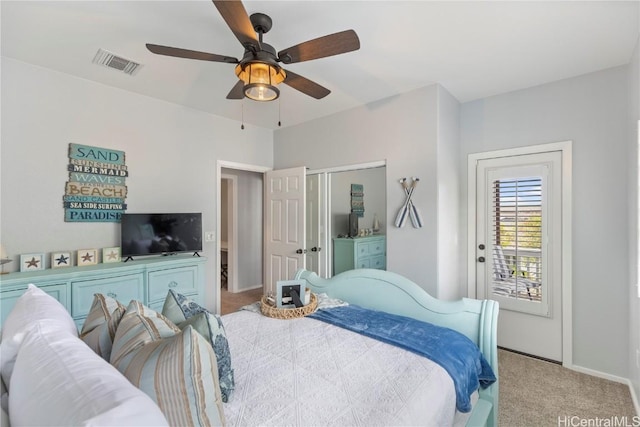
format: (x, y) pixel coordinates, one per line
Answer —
(250, 288)
(599, 374)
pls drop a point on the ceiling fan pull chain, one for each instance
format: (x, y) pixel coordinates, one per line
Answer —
(242, 126)
(279, 123)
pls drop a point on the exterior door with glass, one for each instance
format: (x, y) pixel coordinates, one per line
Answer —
(519, 249)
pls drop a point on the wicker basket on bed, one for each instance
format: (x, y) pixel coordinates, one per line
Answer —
(288, 313)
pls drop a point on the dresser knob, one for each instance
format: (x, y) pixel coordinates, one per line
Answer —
(112, 295)
(173, 284)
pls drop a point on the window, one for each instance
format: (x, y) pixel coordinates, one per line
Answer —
(517, 237)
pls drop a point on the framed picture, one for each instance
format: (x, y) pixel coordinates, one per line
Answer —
(290, 293)
(32, 262)
(61, 259)
(87, 257)
(110, 255)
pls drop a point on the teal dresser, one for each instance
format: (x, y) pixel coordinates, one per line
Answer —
(359, 252)
(147, 280)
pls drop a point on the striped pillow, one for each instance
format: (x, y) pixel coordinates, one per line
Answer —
(139, 326)
(177, 369)
(100, 326)
(184, 311)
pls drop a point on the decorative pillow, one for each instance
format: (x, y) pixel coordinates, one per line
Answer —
(184, 311)
(34, 307)
(59, 381)
(140, 325)
(4, 417)
(4, 400)
(177, 369)
(101, 323)
(325, 302)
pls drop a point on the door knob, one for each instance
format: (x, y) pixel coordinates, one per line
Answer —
(481, 246)
(481, 259)
(301, 251)
(315, 249)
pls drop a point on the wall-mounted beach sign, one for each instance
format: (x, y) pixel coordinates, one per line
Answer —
(96, 189)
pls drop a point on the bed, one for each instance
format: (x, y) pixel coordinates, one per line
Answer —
(306, 371)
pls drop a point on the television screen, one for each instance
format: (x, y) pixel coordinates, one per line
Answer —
(148, 234)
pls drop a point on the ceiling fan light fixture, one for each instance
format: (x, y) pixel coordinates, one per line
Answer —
(260, 80)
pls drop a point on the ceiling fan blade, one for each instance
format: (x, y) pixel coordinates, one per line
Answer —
(237, 92)
(332, 44)
(305, 85)
(189, 54)
(235, 15)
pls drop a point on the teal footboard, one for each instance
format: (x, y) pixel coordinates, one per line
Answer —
(390, 292)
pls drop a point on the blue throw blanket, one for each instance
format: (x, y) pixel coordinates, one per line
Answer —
(457, 354)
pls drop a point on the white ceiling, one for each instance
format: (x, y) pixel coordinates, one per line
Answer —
(474, 49)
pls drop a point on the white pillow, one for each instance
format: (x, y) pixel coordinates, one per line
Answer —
(34, 307)
(59, 380)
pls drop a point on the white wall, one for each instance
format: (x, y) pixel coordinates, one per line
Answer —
(171, 154)
(401, 130)
(591, 110)
(448, 204)
(375, 201)
(634, 300)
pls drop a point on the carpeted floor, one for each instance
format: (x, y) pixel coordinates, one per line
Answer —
(537, 393)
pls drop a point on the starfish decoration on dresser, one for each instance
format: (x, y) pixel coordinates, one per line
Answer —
(112, 255)
(62, 260)
(33, 262)
(87, 257)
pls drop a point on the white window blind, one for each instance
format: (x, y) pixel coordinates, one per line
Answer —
(517, 237)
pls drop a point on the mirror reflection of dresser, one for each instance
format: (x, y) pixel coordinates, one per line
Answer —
(359, 252)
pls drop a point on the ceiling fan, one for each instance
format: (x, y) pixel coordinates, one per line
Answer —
(259, 70)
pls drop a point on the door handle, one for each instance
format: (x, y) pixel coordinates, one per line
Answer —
(481, 259)
(315, 249)
(301, 251)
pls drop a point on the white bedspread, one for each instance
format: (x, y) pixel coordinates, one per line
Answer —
(305, 372)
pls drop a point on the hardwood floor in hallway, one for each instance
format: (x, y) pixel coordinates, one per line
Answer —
(232, 302)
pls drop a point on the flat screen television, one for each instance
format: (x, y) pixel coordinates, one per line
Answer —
(160, 233)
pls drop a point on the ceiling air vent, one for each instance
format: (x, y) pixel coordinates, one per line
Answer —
(119, 63)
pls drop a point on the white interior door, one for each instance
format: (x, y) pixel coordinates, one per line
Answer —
(519, 249)
(284, 224)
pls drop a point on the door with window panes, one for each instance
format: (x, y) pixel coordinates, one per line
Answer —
(518, 249)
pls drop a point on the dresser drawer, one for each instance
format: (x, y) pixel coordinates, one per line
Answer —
(8, 298)
(377, 262)
(375, 248)
(363, 263)
(122, 288)
(362, 249)
(183, 280)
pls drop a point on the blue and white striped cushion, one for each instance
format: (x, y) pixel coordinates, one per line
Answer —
(177, 369)
(99, 328)
(183, 311)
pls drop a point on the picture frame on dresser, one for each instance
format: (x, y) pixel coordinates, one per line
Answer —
(61, 259)
(86, 257)
(31, 262)
(111, 255)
